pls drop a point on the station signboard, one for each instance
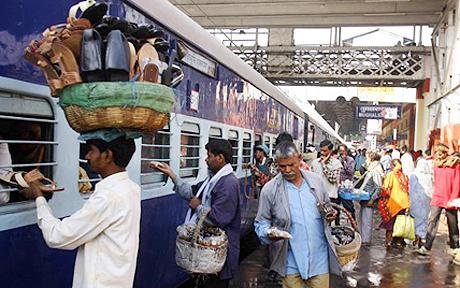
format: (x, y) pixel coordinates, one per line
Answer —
(389, 112)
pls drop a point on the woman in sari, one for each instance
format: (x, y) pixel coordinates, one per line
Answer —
(420, 192)
(394, 200)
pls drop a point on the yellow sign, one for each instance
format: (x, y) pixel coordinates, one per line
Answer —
(375, 93)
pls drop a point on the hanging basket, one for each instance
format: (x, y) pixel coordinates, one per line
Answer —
(201, 250)
(348, 254)
(133, 106)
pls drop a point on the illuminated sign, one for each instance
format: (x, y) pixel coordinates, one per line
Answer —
(378, 111)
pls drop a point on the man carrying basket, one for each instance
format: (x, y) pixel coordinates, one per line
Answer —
(296, 201)
(220, 191)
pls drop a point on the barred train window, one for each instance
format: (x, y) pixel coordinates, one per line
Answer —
(26, 140)
(247, 143)
(215, 133)
(233, 138)
(189, 150)
(155, 147)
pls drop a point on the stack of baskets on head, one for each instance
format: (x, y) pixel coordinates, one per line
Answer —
(107, 72)
(347, 241)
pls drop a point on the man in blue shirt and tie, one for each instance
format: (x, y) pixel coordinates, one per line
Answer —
(289, 202)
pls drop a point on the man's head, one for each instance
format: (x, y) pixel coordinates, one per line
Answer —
(106, 158)
(343, 150)
(442, 151)
(364, 151)
(288, 160)
(404, 149)
(325, 148)
(284, 136)
(261, 151)
(373, 156)
(219, 154)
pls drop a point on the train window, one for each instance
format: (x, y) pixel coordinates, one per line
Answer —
(233, 138)
(26, 140)
(257, 140)
(247, 149)
(189, 150)
(215, 133)
(155, 147)
(87, 178)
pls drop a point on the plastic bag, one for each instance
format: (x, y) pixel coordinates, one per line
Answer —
(404, 227)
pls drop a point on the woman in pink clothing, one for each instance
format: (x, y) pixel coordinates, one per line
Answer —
(446, 188)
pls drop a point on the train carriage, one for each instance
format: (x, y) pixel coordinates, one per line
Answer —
(220, 97)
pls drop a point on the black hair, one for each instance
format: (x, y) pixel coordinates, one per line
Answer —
(326, 143)
(283, 136)
(220, 146)
(428, 152)
(122, 149)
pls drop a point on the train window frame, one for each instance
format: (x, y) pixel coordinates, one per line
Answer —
(257, 140)
(233, 136)
(163, 149)
(215, 133)
(190, 129)
(247, 139)
(27, 109)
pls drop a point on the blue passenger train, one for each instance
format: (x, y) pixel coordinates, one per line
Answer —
(220, 97)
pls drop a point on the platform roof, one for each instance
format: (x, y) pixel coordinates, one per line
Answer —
(311, 13)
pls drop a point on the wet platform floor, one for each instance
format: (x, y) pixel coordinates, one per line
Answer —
(376, 267)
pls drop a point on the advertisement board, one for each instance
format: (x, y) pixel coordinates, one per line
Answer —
(389, 112)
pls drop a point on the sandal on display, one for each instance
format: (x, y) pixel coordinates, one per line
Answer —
(70, 72)
(148, 62)
(160, 44)
(71, 35)
(94, 13)
(52, 77)
(147, 32)
(91, 57)
(117, 61)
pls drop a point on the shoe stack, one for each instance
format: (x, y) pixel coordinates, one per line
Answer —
(108, 72)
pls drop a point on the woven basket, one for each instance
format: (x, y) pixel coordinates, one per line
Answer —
(134, 106)
(196, 258)
(348, 253)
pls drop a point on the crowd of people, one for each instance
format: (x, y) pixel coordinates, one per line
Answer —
(295, 192)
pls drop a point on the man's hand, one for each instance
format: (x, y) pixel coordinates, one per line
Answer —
(194, 202)
(370, 203)
(330, 216)
(164, 168)
(33, 191)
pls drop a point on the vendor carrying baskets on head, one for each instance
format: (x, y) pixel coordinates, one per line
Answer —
(218, 193)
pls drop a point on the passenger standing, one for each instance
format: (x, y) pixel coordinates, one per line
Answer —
(106, 229)
(328, 168)
(372, 184)
(221, 192)
(446, 189)
(360, 160)
(420, 192)
(386, 161)
(261, 169)
(290, 202)
(395, 200)
(346, 173)
(5, 161)
(407, 161)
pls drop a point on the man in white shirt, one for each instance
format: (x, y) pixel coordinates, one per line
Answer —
(106, 228)
(407, 161)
